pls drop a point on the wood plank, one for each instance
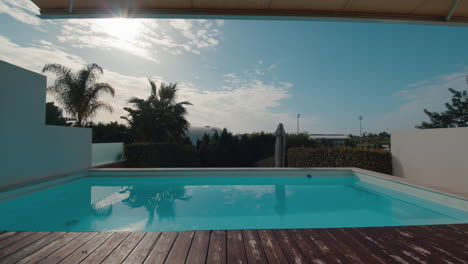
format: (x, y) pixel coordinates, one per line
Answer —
(455, 239)
(313, 253)
(292, 252)
(106, 248)
(461, 227)
(141, 251)
(411, 244)
(181, 247)
(414, 246)
(13, 238)
(199, 248)
(432, 250)
(160, 251)
(450, 228)
(429, 248)
(352, 246)
(48, 249)
(6, 234)
(372, 245)
(121, 252)
(253, 247)
(419, 250)
(272, 247)
(235, 247)
(354, 251)
(69, 248)
(435, 243)
(381, 248)
(21, 244)
(217, 247)
(325, 245)
(32, 247)
(88, 248)
(432, 247)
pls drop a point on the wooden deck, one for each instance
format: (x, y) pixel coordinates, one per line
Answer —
(412, 244)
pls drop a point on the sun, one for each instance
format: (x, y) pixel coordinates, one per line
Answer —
(122, 28)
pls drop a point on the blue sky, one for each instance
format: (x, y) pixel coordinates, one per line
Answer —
(251, 75)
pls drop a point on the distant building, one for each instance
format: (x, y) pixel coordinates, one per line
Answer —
(337, 139)
(196, 133)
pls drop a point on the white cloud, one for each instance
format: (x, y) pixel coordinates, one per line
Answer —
(181, 24)
(260, 69)
(429, 94)
(22, 10)
(246, 105)
(34, 57)
(230, 75)
(142, 37)
(198, 33)
(115, 34)
(242, 105)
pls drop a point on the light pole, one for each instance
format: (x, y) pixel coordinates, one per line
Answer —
(360, 129)
(298, 115)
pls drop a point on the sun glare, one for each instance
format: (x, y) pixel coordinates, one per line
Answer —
(121, 28)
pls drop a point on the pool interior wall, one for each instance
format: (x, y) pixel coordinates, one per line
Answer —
(175, 200)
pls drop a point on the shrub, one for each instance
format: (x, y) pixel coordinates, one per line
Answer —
(375, 160)
(245, 150)
(228, 150)
(111, 132)
(268, 162)
(160, 155)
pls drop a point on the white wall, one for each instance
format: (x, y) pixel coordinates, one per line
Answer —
(30, 150)
(106, 153)
(434, 157)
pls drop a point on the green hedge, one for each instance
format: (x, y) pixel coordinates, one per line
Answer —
(268, 162)
(374, 160)
(160, 155)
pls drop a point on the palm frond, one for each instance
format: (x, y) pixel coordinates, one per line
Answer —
(95, 106)
(185, 103)
(153, 87)
(89, 74)
(168, 92)
(56, 68)
(138, 102)
(98, 88)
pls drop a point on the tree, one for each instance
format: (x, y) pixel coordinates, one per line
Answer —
(456, 114)
(54, 115)
(159, 118)
(111, 132)
(79, 92)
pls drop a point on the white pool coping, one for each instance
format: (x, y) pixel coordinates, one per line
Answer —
(17, 191)
(402, 185)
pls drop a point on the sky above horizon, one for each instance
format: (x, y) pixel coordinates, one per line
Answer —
(251, 75)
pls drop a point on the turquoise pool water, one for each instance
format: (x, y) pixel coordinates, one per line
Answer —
(200, 203)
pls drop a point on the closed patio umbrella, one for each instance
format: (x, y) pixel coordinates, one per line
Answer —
(280, 146)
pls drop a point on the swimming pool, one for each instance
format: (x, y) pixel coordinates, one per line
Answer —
(210, 200)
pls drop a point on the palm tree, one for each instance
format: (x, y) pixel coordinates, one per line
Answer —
(159, 118)
(79, 92)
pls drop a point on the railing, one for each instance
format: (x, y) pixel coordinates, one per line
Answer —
(106, 153)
